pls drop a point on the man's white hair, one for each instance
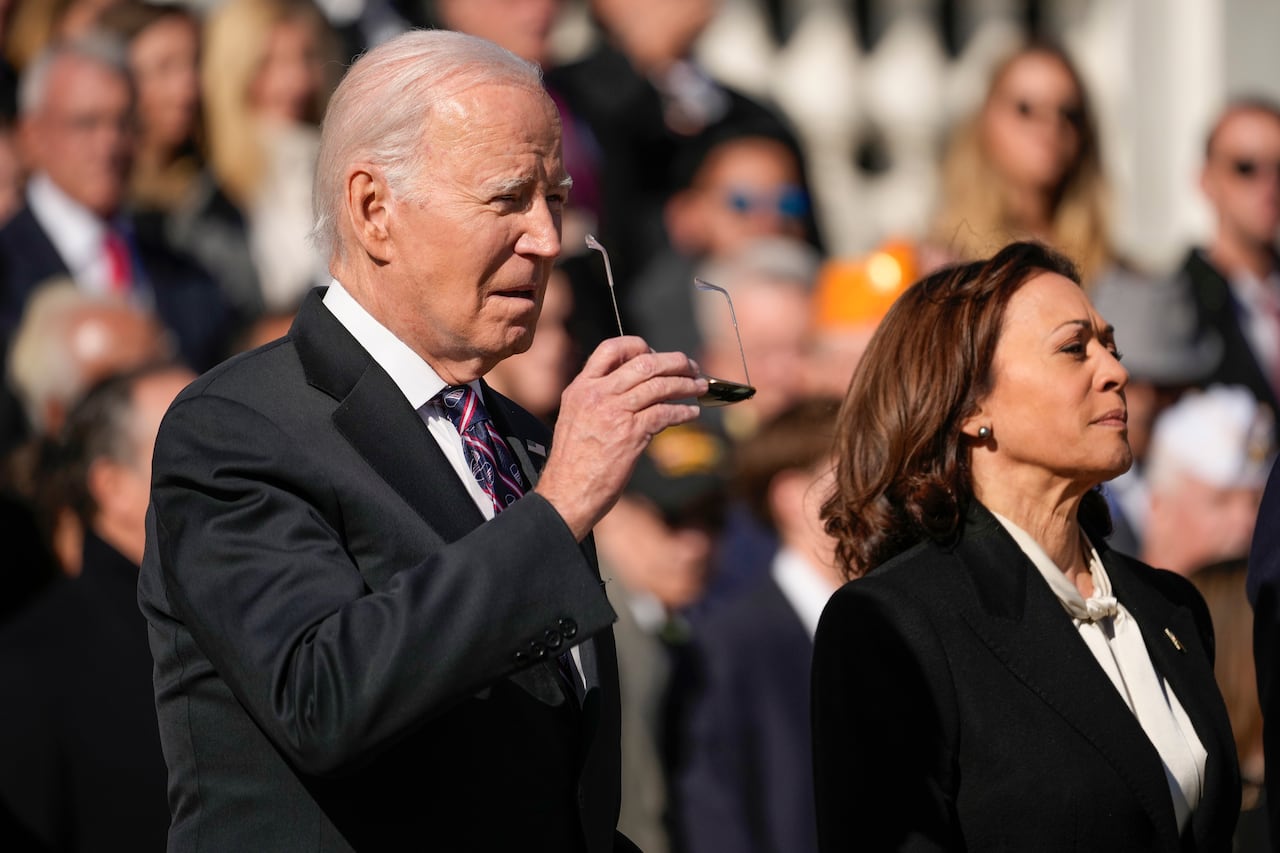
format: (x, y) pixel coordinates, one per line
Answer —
(42, 368)
(381, 113)
(100, 49)
(765, 263)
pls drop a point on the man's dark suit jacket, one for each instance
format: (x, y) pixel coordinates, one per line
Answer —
(1263, 584)
(186, 299)
(745, 784)
(347, 658)
(956, 707)
(1217, 310)
(81, 768)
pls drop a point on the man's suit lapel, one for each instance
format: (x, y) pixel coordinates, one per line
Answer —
(1017, 616)
(374, 416)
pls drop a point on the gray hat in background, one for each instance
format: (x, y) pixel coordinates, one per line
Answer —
(1156, 328)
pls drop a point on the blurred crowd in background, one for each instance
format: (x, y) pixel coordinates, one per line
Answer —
(811, 158)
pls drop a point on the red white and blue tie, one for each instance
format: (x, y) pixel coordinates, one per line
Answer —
(486, 453)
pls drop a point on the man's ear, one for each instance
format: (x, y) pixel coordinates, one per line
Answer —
(369, 210)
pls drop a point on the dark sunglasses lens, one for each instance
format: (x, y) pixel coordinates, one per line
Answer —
(722, 392)
(1245, 168)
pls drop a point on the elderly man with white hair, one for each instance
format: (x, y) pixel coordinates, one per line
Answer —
(1206, 468)
(374, 605)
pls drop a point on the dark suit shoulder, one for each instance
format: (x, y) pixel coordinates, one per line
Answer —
(755, 618)
(248, 374)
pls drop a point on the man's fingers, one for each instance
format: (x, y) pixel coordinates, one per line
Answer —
(631, 360)
(612, 353)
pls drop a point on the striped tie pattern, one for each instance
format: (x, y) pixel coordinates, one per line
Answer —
(486, 453)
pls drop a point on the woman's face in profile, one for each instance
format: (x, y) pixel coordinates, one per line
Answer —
(1032, 124)
(1057, 405)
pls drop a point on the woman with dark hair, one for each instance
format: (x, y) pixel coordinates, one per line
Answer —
(1000, 679)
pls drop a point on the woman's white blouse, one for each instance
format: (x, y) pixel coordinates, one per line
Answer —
(1115, 639)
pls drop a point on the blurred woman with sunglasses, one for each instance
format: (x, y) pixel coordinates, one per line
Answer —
(997, 678)
(1027, 166)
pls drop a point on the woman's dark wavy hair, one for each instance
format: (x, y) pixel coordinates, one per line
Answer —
(903, 471)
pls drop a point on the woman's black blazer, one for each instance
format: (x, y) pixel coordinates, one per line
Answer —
(955, 707)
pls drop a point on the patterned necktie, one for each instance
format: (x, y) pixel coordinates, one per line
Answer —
(486, 453)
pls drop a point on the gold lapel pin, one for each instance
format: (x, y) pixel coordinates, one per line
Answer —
(1173, 638)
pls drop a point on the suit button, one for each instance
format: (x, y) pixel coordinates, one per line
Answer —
(537, 651)
(568, 628)
(521, 658)
(552, 639)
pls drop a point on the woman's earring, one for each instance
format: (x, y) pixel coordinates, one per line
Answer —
(984, 432)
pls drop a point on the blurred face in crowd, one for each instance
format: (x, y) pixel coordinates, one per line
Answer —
(1033, 120)
(82, 135)
(1195, 523)
(521, 26)
(1057, 404)
(291, 73)
(649, 554)
(470, 262)
(537, 377)
(773, 319)
(164, 60)
(655, 33)
(746, 188)
(1241, 176)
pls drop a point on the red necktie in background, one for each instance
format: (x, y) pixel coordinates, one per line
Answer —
(119, 264)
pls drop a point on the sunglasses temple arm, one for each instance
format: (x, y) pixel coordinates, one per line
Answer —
(593, 243)
(706, 285)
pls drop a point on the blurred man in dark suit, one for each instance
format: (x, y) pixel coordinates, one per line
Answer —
(76, 113)
(82, 766)
(1235, 281)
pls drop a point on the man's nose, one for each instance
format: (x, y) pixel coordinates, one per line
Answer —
(541, 235)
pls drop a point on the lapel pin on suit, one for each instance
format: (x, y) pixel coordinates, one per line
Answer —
(1173, 638)
(535, 447)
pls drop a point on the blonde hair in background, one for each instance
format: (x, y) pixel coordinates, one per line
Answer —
(32, 27)
(975, 218)
(235, 44)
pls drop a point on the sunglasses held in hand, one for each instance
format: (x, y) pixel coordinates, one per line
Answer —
(720, 392)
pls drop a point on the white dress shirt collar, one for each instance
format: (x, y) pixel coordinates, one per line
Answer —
(75, 231)
(804, 587)
(415, 378)
(1114, 638)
